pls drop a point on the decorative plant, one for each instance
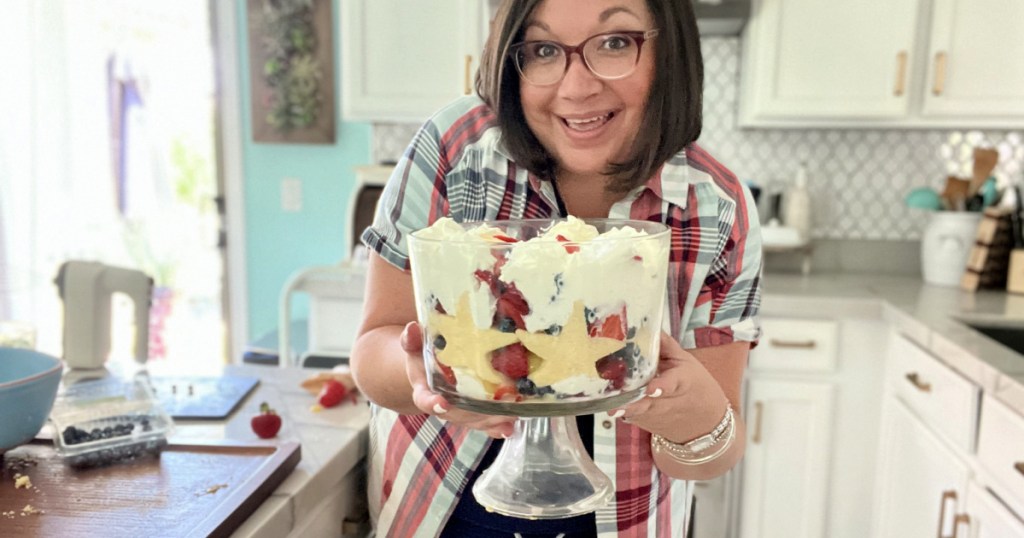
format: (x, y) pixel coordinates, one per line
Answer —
(290, 70)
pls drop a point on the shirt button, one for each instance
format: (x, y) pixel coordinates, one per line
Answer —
(607, 424)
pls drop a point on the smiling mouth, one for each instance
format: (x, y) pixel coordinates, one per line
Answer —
(588, 124)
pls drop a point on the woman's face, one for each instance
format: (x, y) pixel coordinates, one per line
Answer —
(585, 121)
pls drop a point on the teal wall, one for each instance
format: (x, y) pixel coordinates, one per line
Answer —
(278, 243)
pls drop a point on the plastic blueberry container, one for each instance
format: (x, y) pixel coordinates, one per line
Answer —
(108, 421)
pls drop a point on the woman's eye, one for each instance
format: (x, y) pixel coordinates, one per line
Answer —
(544, 50)
(615, 42)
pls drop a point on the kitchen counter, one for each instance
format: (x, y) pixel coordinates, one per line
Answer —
(328, 482)
(933, 316)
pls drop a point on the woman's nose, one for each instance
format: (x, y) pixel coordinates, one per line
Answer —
(579, 82)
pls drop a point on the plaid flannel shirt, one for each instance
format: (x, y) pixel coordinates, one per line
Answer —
(456, 166)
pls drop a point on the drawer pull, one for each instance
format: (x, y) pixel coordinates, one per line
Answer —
(1019, 466)
(939, 85)
(916, 381)
(758, 410)
(801, 344)
(467, 88)
(957, 520)
(901, 73)
(946, 496)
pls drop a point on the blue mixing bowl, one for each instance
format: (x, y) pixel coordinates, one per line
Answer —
(28, 387)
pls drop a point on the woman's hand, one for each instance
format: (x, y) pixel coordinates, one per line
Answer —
(432, 403)
(683, 402)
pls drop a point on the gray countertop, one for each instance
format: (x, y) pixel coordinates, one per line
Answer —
(935, 317)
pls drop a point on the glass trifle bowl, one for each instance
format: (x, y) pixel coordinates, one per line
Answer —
(541, 320)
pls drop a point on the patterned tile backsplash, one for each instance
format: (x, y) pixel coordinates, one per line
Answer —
(857, 177)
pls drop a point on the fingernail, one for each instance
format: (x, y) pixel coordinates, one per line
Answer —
(505, 436)
(655, 394)
(618, 413)
(439, 410)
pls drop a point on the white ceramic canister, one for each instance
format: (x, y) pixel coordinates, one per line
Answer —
(946, 245)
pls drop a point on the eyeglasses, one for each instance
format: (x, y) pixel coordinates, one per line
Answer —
(609, 56)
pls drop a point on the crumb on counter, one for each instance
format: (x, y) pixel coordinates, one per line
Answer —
(30, 510)
(212, 489)
(22, 481)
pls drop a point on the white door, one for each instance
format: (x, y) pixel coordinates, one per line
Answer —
(976, 61)
(402, 61)
(922, 482)
(813, 59)
(111, 157)
(785, 470)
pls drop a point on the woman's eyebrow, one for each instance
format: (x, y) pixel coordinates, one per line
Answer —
(606, 14)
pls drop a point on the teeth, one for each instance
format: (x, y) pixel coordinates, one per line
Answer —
(588, 123)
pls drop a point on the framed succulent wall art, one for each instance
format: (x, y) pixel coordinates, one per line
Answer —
(291, 71)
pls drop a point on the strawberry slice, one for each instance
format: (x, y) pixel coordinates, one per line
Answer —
(571, 249)
(511, 304)
(613, 369)
(505, 238)
(507, 393)
(614, 326)
(447, 372)
(511, 361)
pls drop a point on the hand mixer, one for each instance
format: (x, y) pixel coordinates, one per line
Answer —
(86, 289)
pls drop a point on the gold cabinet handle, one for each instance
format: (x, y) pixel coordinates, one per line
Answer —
(939, 85)
(916, 381)
(957, 520)
(466, 89)
(901, 73)
(799, 344)
(758, 411)
(1019, 466)
(946, 496)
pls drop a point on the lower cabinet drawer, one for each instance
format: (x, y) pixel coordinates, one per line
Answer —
(1001, 448)
(946, 401)
(796, 345)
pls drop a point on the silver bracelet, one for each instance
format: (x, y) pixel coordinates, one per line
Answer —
(702, 449)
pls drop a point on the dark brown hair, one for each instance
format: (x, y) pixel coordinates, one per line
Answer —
(673, 115)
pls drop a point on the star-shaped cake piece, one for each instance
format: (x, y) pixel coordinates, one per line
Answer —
(569, 353)
(466, 345)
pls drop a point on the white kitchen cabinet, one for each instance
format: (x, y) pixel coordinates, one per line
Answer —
(976, 59)
(987, 517)
(878, 63)
(922, 481)
(786, 467)
(812, 402)
(836, 60)
(402, 61)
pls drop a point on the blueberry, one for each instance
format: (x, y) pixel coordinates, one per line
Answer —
(591, 315)
(440, 342)
(507, 325)
(526, 387)
(559, 282)
(95, 434)
(546, 389)
(631, 333)
(108, 432)
(70, 436)
(553, 330)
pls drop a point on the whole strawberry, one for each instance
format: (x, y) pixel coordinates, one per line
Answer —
(332, 393)
(267, 423)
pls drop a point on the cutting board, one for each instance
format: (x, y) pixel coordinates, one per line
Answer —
(189, 490)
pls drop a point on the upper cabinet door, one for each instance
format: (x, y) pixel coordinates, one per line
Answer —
(827, 60)
(402, 61)
(976, 60)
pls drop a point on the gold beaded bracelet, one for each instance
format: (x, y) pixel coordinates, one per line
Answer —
(702, 449)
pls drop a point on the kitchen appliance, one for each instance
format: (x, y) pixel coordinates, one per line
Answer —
(86, 288)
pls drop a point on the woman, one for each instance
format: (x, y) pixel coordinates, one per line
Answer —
(588, 108)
